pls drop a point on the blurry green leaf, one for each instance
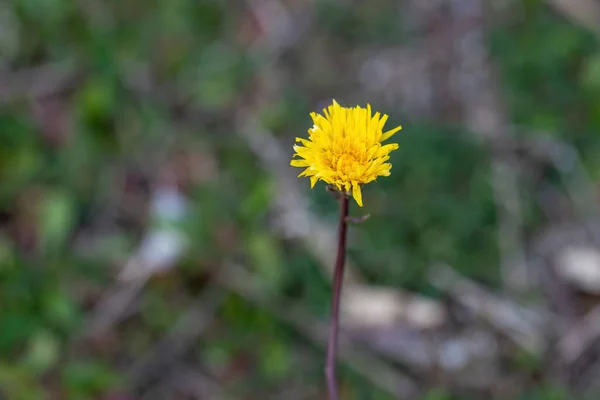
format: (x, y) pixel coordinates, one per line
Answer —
(208, 19)
(112, 247)
(48, 12)
(266, 258)
(362, 23)
(20, 158)
(7, 256)
(18, 384)
(157, 313)
(42, 352)
(16, 328)
(275, 117)
(591, 73)
(218, 356)
(218, 76)
(25, 163)
(97, 98)
(86, 379)
(545, 122)
(546, 392)
(236, 310)
(59, 309)
(526, 360)
(258, 200)
(57, 216)
(275, 359)
(437, 394)
(539, 57)
(9, 36)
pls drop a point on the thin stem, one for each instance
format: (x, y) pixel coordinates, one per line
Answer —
(334, 319)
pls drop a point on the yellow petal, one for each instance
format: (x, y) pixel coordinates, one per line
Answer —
(313, 181)
(357, 194)
(305, 143)
(299, 163)
(389, 133)
(382, 121)
(307, 172)
(371, 152)
(384, 170)
(377, 119)
(384, 150)
(303, 152)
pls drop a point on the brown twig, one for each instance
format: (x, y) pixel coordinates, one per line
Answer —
(358, 220)
(333, 192)
(330, 370)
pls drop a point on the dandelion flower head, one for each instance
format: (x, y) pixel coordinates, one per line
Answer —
(344, 148)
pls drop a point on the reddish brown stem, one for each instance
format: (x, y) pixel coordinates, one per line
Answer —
(334, 319)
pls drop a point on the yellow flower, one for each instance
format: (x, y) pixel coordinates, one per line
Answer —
(344, 148)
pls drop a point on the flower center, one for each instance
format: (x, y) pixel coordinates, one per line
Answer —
(344, 163)
(347, 162)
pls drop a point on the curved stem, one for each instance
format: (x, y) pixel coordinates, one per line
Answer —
(330, 366)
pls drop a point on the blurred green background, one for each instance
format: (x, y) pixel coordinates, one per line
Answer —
(155, 244)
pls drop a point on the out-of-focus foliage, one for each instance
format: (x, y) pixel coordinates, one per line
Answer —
(144, 91)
